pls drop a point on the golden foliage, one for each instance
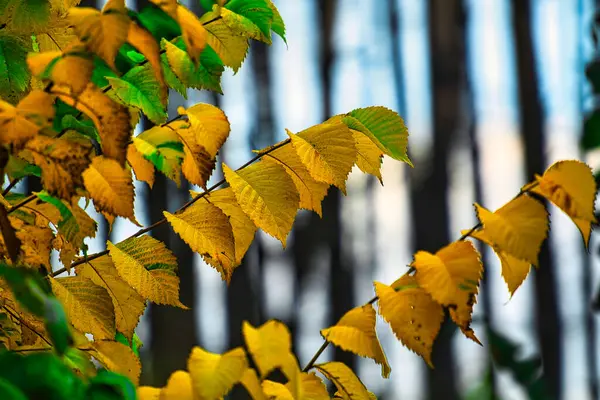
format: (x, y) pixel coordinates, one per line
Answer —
(22, 123)
(222, 371)
(346, 382)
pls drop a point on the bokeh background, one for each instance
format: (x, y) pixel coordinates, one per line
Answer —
(492, 92)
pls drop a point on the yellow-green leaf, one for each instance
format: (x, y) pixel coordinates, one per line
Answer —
(344, 379)
(368, 155)
(213, 375)
(517, 228)
(128, 304)
(571, 186)
(117, 357)
(88, 306)
(267, 195)
(230, 47)
(413, 315)
(311, 192)
(142, 40)
(110, 186)
(207, 230)
(161, 146)
(149, 267)
(355, 332)
(328, 151)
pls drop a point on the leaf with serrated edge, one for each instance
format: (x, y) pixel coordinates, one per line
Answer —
(209, 125)
(231, 48)
(267, 195)
(355, 332)
(23, 122)
(207, 230)
(128, 304)
(415, 318)
(117, 357)
(213, 375)
(571, 186)
(88, 306)
(149, 267)
(328, 151)
(517, 228)
(142, 40)
(368, 155)
(344, 379)
(142, 168)
(110, 186)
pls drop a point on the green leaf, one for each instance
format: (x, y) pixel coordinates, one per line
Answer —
(591, 131)
(9, 391)
(170, 78)
(18, 168)
(135, 344)
(57, 325)
(206, 76)
(14, 74)
(101, 72)
(79, 361)
(162, 147)
(384, 127)
(86, 127)
(158, 23)
(140, 89)
(109, 385)
(277, 24)
(254, 13)
(230, 46)
(26, 15)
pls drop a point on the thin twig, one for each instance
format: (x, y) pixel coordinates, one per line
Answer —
(22, 203)
(8, 310)
(11, 185)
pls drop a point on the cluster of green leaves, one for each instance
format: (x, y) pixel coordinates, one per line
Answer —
(77, 81)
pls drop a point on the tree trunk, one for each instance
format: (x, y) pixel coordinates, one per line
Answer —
(430, 192)
(532, 132)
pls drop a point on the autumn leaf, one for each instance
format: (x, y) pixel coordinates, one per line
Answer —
(252, 384)
(62, 163)
(23, 16)
(344, 379)
(571, 186)
(128, 304)
(88, 306)
(368, 155)
(270, 346)
(117, 357)
(23, 122)
(384, 127)
(413, 315)
(451, 277)
(209, 125)
(249, 18)
(149, 267)
(112, 119)
(179, 387)
(161, 146)
(517, 228)
(207, 230)
(328, 151)
(139, 88)
(230, 47)
(355, 332)
(197, 164)
(110, 186)
(69, 68)
(103, 32)
(267, 195)
(311, 192)
(142, 168)
(213, 375)
(194, 34)
(152, 393)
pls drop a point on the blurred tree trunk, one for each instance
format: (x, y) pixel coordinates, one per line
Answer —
(430, 192)
(532, 132)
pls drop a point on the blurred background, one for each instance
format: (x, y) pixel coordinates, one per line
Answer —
(492, 91)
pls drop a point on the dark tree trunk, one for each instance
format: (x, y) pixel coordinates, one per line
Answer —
(430, 192)
(532, 132)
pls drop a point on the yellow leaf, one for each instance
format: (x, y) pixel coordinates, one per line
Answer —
(142, 168)
(209, 125)
(23, 122)
(514, 271)
(355, 332)
(103, 33)
(328, 151)
(276, 391)
(198, 164)
(88, 306)
(148, 393)
(35, 243)
(517, 228)
(207, 230)
(313, 388)
(344, 379)
(179, 387)
(229, 46)
(162, 146)
(415, 318)
(193, 33)
(368, 155)
(117, 357)
(451, 277)
(252, 384)
(128, 304)
(572, 187)
(213, 375)
(267, 195)
(62, 163)
(69, 70)
(149, 267)
(110, 186)
(145, 43)
(311, 192)
(270, 346)
(58, 35)
(310, 387)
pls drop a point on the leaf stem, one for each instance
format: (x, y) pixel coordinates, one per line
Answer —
(11, 185)
(20, 204)
(316, 356)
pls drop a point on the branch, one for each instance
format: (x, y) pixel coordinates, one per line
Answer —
(180, 210)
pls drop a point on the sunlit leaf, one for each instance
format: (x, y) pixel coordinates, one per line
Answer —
(179, 387)
(344, 379)
(142, 168)
(251, 18)
(229, 46)
(143, 41)
(163, 148)
(22, 123)
(213, 375)
(270, 346)
(209, 125)
(69, 69)
(252, 385)
(117, 357)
